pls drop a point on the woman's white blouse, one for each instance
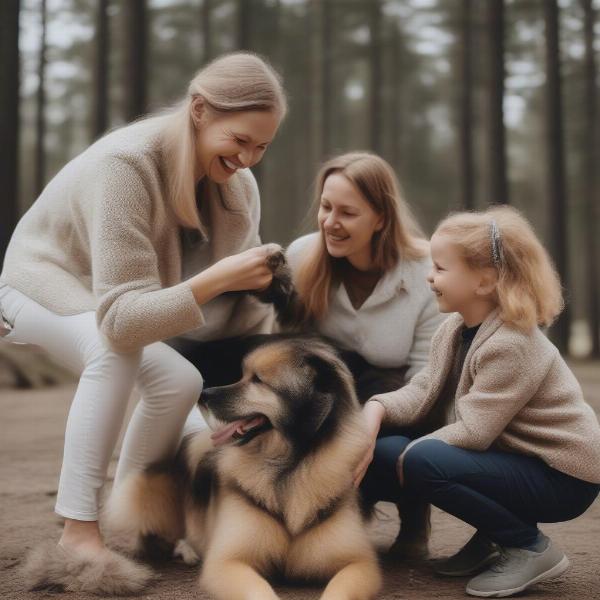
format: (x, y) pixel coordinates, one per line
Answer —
(395, 324)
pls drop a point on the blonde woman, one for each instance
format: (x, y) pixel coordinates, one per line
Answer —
(361, 280)
(133, 242)
(517, 444)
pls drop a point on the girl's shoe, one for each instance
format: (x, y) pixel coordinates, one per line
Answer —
(516, 570)
(478, 553)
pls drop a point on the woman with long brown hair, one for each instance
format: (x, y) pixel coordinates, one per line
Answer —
(362, 282)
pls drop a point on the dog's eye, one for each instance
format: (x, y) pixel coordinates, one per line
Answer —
(255, 379)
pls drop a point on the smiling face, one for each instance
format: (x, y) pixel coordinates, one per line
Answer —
(457, 286)
(226, 142)
(347, 221)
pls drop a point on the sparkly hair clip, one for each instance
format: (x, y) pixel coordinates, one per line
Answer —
(496, 240)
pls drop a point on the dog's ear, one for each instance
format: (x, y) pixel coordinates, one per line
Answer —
(316, 411)
(331, 390)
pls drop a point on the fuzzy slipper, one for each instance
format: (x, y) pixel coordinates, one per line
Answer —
(52, 567)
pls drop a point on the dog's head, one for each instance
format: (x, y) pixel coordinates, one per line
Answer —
(297, 389)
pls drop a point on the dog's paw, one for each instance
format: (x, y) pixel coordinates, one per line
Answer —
(281, 288)
(187, 554)
(275, 257)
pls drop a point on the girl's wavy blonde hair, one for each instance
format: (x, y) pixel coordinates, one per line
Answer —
(235, 82)
(400, 238)
(528, 289)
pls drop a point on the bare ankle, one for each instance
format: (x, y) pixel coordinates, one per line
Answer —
(81, 535)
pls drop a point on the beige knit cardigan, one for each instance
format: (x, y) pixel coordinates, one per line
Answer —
(102, 237)
(515, 393)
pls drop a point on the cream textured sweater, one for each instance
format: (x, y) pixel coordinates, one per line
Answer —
(102, 237)
(515, 393)
(394, 326)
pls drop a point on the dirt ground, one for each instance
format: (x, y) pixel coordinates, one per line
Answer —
(31, 429)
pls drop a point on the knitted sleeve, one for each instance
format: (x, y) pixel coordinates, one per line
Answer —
(134, 309)
(410, 403)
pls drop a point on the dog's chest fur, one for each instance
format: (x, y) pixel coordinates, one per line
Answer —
(304, 496)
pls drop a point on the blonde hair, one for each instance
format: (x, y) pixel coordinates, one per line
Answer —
(231, 83)
(399, 238)
(528, 288)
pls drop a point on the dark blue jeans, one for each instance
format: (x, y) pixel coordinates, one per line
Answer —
(502, 494)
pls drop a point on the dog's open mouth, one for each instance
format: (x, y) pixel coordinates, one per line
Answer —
(241, 430)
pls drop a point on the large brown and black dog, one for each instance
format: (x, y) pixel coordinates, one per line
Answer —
(275, 496)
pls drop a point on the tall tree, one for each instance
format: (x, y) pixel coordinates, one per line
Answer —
(395, 72)
(9, 123)
(206, 30)
(40, 120)
(244, 18)
(135, 48)
(557, 192)
(590, 178)
(376, 75)
(314, 82)
(497, 147)
(327, 84)
(100, 94)
(466, 106)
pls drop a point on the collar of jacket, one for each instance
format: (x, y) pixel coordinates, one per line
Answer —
(387, 288)
(489, 326)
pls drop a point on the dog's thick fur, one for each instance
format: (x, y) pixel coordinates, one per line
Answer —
(275, 498)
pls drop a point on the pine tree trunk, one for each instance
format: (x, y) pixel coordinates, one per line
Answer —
(100, 96)
(376, 75)
(395, 108)
(556, 164)
(207, 30)
(592, 198)
(40, 122)
(497, 149)
(466, 107)
(244, 15)
(327, 86)
(9, 123)
(135, 58)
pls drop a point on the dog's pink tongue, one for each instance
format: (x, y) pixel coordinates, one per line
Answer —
(241, 426)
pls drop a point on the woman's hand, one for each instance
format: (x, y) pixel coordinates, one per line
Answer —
(373, 413)
(247, 270)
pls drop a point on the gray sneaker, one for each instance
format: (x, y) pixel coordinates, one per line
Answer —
(516, 570)
(475, 555)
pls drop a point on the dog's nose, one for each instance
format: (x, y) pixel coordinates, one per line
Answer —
(206, 396)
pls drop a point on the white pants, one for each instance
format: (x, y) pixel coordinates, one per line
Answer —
(169, 386)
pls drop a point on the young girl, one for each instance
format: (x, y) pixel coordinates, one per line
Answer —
(518, 444)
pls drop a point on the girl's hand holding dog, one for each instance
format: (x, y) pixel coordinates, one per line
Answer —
(373, 413)
(247, 270)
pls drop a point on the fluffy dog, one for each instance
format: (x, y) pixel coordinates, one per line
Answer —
(275, 496)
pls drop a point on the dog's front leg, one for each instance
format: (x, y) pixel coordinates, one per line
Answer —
(245, 543)
(359, 580)
(235, 580)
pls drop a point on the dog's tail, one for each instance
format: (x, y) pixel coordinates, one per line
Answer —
(148, 507)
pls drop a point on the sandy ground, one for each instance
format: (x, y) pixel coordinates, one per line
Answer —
(31, 430)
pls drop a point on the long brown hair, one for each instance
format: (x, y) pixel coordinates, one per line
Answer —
(400, 238)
